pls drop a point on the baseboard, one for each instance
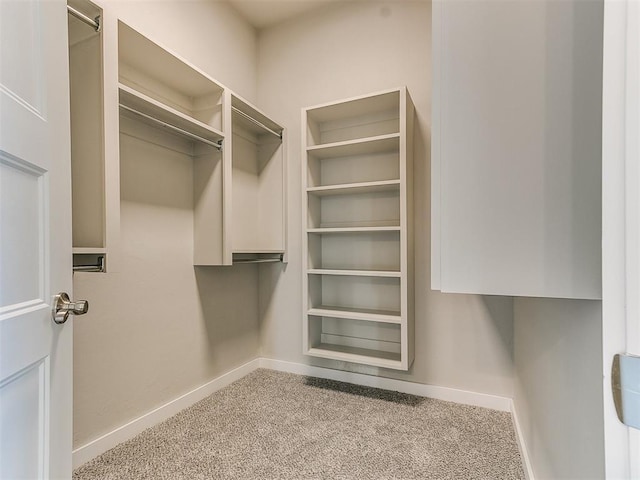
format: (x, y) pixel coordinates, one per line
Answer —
(121, 434)
(441, 393)
(522, 445)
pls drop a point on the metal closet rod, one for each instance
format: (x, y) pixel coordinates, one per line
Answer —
(94, 22)
(173, 127)
(260, 124)
(99, 267)
(279, 258)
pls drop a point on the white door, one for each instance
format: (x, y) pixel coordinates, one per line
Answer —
(621, 219)
(35, 240)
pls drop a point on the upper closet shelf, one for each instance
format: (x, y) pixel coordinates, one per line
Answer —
(146, 60)
(361, 146)
(155, 113)
(253, 120)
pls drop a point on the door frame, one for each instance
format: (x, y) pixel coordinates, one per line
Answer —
(620, 219)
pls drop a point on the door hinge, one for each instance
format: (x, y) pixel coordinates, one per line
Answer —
(625, 383)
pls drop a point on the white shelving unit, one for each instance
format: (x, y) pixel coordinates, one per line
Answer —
(90, 242)
(255, 200)
(239, 168)
(358, 239)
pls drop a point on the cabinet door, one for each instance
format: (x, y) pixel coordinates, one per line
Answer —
(516, 152)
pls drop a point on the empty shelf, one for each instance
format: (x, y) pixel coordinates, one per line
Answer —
(360, 146)
(375, 358)
(354, 273)
(383, 316)
(132, 99)
(356, 188)
(330, 230)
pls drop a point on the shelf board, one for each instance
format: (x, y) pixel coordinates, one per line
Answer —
(360, 146)
(160, 64)
(369, 315)
(355, 188)
(329, 230)
(89, 250)
(355, 273)
(356, 106)
(249, 110)
(258, 251)
(374, 358)
(146, 105)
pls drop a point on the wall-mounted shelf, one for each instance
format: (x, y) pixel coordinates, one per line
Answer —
(354, 273)
(93, 208)
(156, 114)
(356, 188)
(357, 244)
(255, 183)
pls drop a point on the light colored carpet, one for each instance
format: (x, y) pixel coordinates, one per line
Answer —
(272, 425)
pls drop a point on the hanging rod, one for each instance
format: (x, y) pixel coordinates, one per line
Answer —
(95, 23)
(279, 258)
(91, 268)
(260, 124)
(173, 127)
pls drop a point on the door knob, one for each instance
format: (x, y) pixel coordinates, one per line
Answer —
(63, 307)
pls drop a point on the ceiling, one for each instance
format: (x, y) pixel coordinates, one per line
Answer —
(264, 13)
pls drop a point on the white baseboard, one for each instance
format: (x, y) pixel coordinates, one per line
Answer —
(125, 432)
(522, 445)
(441, 393)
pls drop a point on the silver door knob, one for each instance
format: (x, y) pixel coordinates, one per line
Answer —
(63, 307)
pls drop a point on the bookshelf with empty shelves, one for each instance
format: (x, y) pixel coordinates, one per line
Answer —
(358, 237)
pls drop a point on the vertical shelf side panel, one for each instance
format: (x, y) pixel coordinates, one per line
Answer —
(208, 207)
(227, 181)
(305, 240)
(408, 295)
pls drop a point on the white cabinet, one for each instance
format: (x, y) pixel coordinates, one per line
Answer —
(358, 237)
(516, 147)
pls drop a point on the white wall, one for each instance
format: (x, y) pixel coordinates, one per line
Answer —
(348, 49)
(159, 327)
(558, 395)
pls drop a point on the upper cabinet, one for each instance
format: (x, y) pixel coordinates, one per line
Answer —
(516, 148)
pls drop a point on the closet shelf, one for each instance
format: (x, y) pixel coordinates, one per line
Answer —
(88, 250)
(382, 316)
(375, 358)
(131, 98)
(362, 146)
(355, 188)
(355, 273)
(329, 230)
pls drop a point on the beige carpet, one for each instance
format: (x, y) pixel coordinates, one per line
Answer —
(272, 425)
